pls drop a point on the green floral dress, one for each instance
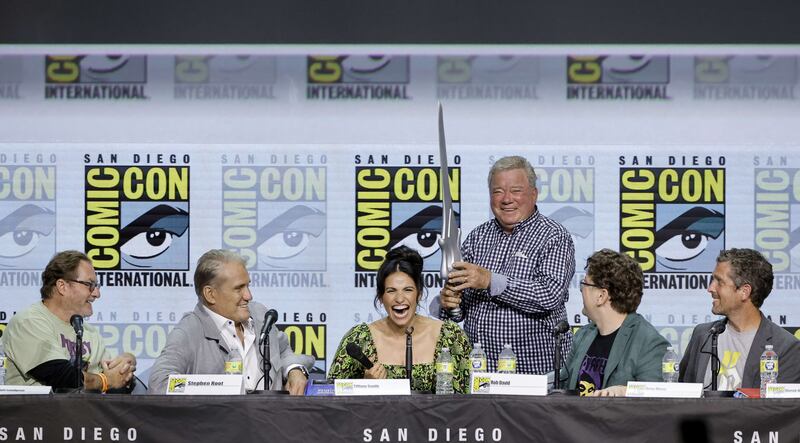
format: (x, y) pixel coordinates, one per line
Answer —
(423, 374)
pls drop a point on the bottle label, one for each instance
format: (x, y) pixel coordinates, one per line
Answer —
(479, 364)
(769, 366)
(669, 367)
(506, 365)
(445, 367)
(234, 367)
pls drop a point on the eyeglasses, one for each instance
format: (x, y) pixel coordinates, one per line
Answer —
(584, 283)
(92, 285)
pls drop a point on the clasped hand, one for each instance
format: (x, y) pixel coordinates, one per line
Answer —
(463, 276)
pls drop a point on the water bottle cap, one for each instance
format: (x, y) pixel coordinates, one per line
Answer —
(507, 346)
(477, 345)
(769, 347)
(445, 349)
(670, 348)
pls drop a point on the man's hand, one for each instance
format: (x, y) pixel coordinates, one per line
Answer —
(611, 391)
(466, 275)
(376, 371)
(296, 382)
(119, 370)
(449, 298)
(120, 375)
(123, 362)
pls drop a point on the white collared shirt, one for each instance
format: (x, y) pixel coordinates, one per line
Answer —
(227, 329)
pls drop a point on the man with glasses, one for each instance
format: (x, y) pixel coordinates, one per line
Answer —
(40, 342)
(619, 345)
(741, 282)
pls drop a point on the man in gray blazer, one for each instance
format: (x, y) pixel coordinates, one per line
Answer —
(224, 321)
(741, 282)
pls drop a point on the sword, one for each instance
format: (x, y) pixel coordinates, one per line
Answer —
(450, 243)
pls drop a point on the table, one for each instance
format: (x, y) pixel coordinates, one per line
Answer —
(419, 418)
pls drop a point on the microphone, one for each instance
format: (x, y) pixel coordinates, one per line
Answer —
(558, 330)
(719, 326)
(77, 324)
(409, 355)
(269, 320)
(561, 327)
(354, 351)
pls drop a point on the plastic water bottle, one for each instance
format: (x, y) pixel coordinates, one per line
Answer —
(507, 361)
(444, 373)
(769, 368)
(670, 366)
(234, 363)
(2, 363)
(477, 359)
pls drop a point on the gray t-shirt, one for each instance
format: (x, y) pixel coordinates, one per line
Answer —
(733, 347)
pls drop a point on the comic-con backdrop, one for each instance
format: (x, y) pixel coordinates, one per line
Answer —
(315, 218)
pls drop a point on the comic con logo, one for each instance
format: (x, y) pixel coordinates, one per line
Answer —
(137, 218)
(672, 220)
(27, 217)
(225, 77)
(358, 77)
(401, 206)
(11, 77)
(777, 225)
(745, 77)
(309, 339)
(617, 77)
(276, 218)
(487, 77)
(95, 77)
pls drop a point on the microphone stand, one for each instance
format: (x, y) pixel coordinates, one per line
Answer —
(557, 364)
(558, 333)
(266, 362)
(79, 357)
(714, 361)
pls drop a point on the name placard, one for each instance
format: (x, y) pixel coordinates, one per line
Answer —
(25, 390)
(507, 384)
(372, 387)
(664, 390)
(783, 390)
(204, 384)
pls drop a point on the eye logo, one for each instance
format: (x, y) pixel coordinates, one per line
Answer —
(26, 240)
(147, 238)
(420, 230)
(689, 241)
(293, 240)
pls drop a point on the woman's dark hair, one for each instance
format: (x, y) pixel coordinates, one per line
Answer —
(402, 259)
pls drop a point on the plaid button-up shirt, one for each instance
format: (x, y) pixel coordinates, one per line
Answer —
(531, 270)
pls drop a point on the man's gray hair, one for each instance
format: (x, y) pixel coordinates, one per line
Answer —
(209, 265)
(513, 162)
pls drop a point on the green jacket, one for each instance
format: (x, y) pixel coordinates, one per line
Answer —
(635, 355)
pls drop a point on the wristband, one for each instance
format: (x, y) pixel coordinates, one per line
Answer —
(104, 379)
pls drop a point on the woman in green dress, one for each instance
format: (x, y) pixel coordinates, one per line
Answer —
(399, 289)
